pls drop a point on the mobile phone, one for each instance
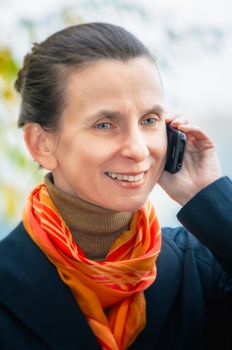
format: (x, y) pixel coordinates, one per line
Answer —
(175, 151)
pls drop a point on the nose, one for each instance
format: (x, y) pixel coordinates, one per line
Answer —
(134, 146)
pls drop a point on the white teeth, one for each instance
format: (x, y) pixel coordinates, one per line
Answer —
(129, 178)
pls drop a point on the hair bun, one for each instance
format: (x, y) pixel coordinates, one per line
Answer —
(19, 81)
(22, 74)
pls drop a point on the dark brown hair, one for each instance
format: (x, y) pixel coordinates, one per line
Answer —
(41, 81)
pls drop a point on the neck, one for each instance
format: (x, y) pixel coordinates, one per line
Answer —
(93, 228)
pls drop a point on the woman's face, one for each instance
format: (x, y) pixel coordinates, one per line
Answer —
(111, 147)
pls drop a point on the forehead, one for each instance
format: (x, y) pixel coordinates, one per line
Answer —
(114, 81)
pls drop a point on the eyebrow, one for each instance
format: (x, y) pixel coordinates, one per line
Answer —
(114, 114)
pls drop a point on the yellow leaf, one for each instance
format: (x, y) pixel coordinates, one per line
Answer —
(10, 200)
(8, 66)
(8, 93)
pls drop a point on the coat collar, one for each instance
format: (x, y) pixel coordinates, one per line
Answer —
(63, 323)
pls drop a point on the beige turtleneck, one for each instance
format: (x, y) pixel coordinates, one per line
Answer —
(93, 228)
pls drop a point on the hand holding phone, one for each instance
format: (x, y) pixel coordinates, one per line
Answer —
(175, 151)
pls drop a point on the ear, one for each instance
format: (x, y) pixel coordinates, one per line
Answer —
(40, 145)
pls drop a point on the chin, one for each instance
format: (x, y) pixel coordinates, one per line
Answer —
(131, 207)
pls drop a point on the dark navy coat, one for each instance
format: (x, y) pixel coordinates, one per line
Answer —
(189, 306)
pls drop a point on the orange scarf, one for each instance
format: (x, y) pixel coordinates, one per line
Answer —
(117, 284)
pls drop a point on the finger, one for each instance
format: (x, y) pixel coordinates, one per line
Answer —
(170, 116)
(196, 134)
(194, 130)
(175, 119)
(181, 119)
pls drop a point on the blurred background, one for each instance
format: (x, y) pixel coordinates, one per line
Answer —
(191, 40)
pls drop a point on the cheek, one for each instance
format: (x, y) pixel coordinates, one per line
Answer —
(91, 156)
(159, 148)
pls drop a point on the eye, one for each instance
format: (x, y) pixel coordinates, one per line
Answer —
(149, 121)
(103, 126)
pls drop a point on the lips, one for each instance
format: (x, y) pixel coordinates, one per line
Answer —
(126, 177)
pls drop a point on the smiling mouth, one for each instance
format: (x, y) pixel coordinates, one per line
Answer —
(124, 177)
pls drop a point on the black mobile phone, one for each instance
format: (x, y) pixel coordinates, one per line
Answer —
(175, 151)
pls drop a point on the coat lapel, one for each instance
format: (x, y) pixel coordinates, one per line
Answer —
(161, 296)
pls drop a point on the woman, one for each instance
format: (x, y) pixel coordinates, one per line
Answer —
(86, 268)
